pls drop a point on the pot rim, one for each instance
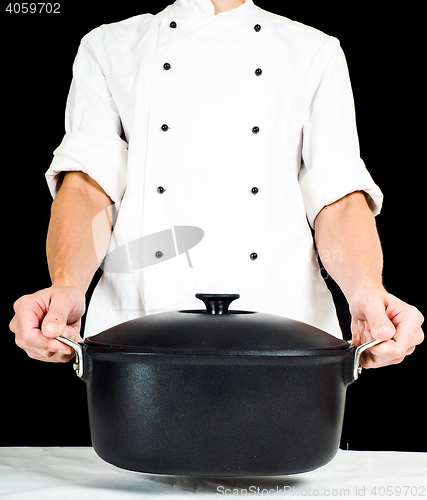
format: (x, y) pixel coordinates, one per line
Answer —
(93, 346)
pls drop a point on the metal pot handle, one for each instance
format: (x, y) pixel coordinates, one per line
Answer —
(78, 365)
(357, 369)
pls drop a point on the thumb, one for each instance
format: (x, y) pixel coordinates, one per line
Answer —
(62, 311)
(379, 324)
(54, 324)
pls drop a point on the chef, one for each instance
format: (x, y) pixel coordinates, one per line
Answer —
(202, 145)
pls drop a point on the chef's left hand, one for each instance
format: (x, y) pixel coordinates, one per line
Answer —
(380, 315)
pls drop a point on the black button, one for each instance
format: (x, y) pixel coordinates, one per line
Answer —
(159, 254)
(255, 130)
(161, 189)
(166, 66)
(253, 256)
(165, 128)
(257, 28)
(173, 24)
(254, 190)
(258, 72)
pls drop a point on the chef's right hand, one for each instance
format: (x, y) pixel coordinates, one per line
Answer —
(43, 316)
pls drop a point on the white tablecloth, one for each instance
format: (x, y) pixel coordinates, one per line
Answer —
(79, 474)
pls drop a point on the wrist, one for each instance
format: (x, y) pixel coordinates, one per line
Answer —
(367, 282)
(61, 281)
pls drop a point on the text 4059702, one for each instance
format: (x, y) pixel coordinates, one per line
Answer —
(33, 8)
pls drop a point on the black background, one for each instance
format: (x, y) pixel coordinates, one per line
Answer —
(45, 404)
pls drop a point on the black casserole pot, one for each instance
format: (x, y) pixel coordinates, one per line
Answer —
(216, 392)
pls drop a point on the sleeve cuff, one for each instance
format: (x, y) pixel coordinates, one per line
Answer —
(103, 158)
(322, 186)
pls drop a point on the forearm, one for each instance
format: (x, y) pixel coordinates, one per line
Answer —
(71, 253)
(348, 244)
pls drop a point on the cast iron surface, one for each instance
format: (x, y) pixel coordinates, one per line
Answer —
(228, 416)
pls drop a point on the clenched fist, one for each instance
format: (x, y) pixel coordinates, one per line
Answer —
(43, 316)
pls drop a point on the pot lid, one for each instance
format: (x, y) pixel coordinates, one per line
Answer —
(217, 331)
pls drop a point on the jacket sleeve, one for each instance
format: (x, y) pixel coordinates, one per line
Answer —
(92, 143)
(331, 164)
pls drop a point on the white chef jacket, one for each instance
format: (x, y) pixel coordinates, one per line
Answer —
(240, 124)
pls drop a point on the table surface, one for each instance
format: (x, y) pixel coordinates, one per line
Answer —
(78, 473)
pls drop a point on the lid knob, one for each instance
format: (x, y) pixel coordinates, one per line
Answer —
(217, 303)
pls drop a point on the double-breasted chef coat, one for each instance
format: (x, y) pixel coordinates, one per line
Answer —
(239, 124)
